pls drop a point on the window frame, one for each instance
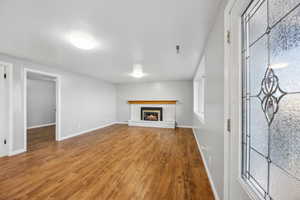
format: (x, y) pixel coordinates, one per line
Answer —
(244, 182)
(199, 91)
(233, 102)
(244, 174)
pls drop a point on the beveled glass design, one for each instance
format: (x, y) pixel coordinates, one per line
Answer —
(271, 98)
(258, 127)
(258, 23)
(258, 64)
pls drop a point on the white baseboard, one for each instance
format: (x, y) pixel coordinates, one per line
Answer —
(184, 126)
(206, 168)
(13, 153)
(86, 131)
(40, 126)
(121, 122)
(63, 138)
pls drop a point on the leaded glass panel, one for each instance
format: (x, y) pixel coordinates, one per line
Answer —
(285, 137)
(258, 22)
(284, 51)
(258, 62)
(279, 8)
(259, 168)
(258, 127)
(271, 98)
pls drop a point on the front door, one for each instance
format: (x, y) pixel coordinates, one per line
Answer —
(270, 54)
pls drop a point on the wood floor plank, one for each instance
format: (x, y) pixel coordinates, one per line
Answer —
(117, 162)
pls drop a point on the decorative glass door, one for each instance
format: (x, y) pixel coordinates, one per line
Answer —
(271, 98)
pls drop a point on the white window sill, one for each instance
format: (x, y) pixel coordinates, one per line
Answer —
(249, 190)
(200, 117)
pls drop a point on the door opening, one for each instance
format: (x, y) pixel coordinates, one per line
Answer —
(41, 103)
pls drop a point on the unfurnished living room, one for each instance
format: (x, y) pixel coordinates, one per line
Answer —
(150, 100)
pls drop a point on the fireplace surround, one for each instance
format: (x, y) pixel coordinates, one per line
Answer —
(153, 113)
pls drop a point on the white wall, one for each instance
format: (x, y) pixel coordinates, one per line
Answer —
(180, 90)
(86, 102)
(210, 134)
(41, 102)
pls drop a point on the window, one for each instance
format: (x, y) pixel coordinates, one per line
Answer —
(199, 90)
(271, 98)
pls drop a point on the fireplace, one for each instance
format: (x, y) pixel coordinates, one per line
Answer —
(151, 113)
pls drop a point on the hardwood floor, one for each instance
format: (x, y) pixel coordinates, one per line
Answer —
(39, 137)
(117, 162)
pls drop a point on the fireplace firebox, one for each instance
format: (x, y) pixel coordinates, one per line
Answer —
(152, 113)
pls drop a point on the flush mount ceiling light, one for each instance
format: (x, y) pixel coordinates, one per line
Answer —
(137, 71)
(82, 40)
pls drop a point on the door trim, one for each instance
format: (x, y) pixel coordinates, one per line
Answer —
(58, 103)
(232, 98)
(227, 100)
(9, 68)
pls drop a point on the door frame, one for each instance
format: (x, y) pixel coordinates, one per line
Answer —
(9, 71)
(233, 99)
(58, 103)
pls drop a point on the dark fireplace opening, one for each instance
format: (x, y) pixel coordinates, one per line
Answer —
(151, 114)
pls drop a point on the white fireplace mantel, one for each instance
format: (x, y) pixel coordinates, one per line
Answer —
(168, 109)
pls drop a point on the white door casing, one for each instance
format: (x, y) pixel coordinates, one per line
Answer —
(5, 108)
(233, 101)
(58, 103)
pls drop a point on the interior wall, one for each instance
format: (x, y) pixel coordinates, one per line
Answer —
(86, 102)
(179, 90)
(210, 133)
(41, 102)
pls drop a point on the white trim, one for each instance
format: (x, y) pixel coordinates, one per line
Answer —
(25, 110)
(249, 190)
(58, 102)
(12, 153)
(184, 126)
(15, 152)
(200, 117)
(10, 105)
(11, 110)
(40, 126)
(58, 108)
(199, 90)
(86, 131)
(121, 122)
(232, 98)
(227, 137)
(206, 169)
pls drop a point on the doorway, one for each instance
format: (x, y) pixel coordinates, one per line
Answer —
(41, 109)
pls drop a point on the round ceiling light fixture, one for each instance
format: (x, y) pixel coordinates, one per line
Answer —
(82, 40)
(137, 71)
